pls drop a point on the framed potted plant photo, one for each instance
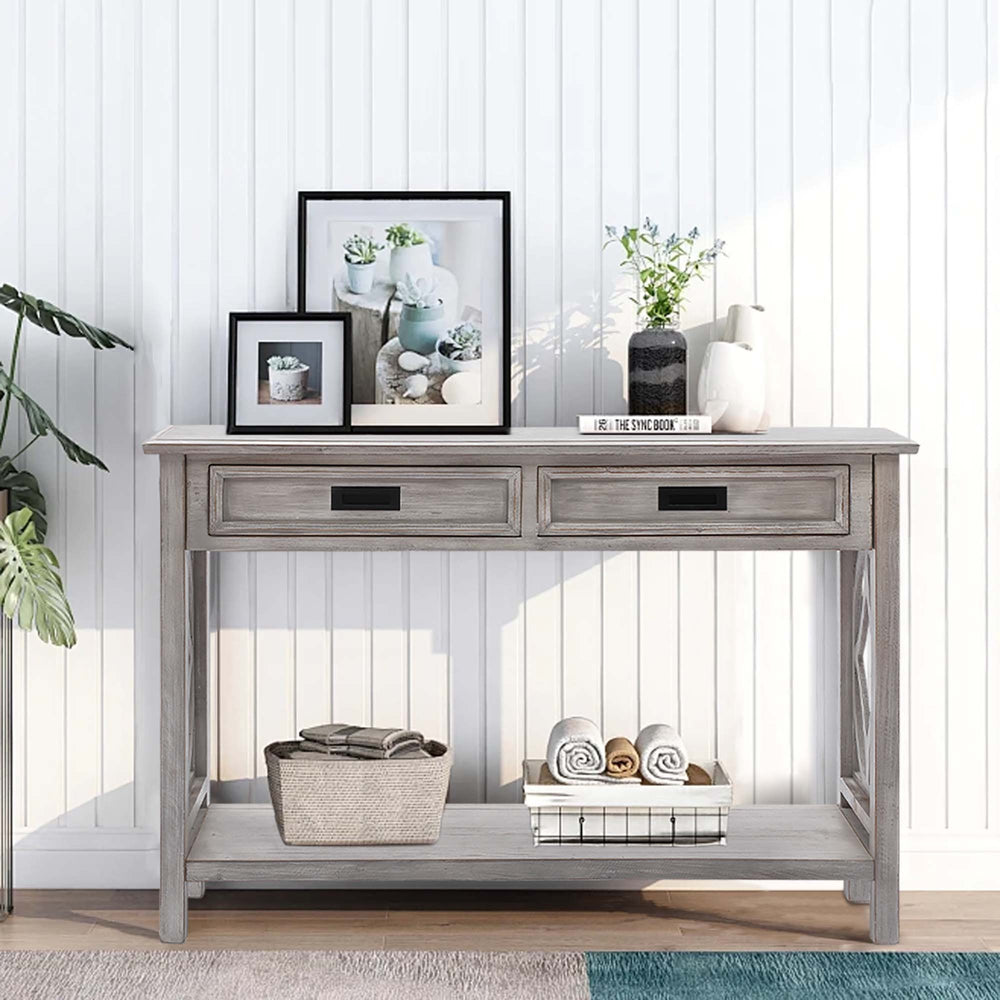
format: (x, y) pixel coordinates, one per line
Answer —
(289, 373)
(425, 278)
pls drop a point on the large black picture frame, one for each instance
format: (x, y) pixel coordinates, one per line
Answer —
(503, 197)
(235, 318)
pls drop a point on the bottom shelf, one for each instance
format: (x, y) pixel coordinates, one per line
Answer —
(486, 843)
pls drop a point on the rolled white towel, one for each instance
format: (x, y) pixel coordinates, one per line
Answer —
(575, 754)
(663, 758)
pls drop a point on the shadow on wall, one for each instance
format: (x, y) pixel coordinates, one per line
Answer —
(559, 355)
(120, 855)
(83, 816)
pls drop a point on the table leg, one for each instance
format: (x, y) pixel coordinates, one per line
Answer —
(851, 563)
(173, 702)
(884, 915)
(199, 663)
(857, 890)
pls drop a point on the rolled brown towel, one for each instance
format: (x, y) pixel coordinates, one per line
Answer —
(697, 776)
(622, 758)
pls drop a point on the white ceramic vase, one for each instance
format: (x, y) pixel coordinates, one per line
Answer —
(451, 365)
(414, 261)
(732, 386)
(360, 277)
(420, 328)
(288, 385)
(745, 325)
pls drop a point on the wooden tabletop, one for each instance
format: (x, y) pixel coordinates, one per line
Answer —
(212, 439)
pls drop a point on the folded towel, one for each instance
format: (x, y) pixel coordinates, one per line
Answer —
(576, 754)
(400, 749)
(414, 753)
(316, 755)
(623, 758)
(330, 754)
(663, 759)
(381, 742)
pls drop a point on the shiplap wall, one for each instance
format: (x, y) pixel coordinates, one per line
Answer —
(847, 151)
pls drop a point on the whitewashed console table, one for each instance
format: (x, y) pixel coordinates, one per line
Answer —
(538, 488)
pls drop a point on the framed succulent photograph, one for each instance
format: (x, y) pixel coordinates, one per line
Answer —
(289, 373)
(425, 278)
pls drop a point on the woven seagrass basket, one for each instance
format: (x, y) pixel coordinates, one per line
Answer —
(338, 801)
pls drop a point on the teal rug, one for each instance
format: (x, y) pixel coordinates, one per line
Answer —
(793, 975)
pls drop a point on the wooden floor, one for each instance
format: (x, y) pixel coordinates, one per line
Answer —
(500, 920)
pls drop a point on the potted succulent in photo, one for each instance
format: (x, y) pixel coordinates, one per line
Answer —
(410, 254)
(287, 378)
(461, 349)
(359, 254)
(657, 355)
(421, 322)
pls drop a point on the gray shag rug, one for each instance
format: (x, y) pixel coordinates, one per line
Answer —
(291, 975)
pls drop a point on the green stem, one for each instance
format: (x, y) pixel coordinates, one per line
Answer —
(10, 461)
(13, 364)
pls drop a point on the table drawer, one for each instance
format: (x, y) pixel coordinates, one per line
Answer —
(352, 500)
(695, 500)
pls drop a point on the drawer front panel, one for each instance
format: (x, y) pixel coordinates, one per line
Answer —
(696, 500)
(351, 500)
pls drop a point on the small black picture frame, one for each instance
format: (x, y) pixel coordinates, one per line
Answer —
(317, 290)
(315, 383)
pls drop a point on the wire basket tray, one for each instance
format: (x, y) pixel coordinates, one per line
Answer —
(672, 827)
(640, 814)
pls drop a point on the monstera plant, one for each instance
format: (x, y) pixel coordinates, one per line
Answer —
(31, 591)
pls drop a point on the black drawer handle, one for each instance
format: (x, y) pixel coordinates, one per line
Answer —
(364, 498)
(693, 498)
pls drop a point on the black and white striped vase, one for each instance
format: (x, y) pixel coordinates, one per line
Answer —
(657, 372)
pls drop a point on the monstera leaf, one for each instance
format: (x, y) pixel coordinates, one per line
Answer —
(24, 493)
(41, 424)
(31, 591)
(50, 317)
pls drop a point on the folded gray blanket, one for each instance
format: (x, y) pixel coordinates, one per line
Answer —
(362, 741)
(575, 754)
(400, 749)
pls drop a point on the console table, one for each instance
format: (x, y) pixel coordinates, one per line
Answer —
(538, 488)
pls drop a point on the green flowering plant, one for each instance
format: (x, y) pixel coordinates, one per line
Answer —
(662, 267)
(404, 235)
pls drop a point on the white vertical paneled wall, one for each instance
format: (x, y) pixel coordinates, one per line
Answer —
(848, 152)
